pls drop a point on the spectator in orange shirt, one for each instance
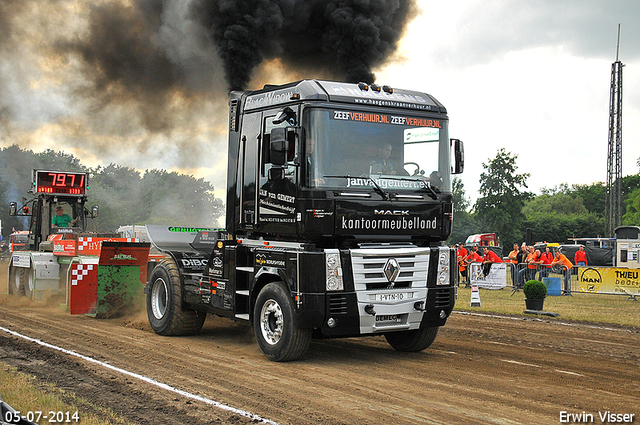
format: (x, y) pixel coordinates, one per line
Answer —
(461, 256)
(545, 267)
(581, 257)
(473, 256)
(488, 258)
(513, 260)
(561, 260)
(534, 261)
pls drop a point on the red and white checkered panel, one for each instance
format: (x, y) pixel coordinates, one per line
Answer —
(79, 271)
(82, 289)
(91, 246)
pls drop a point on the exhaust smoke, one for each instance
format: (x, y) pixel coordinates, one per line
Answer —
(145, 83)
(342, 38)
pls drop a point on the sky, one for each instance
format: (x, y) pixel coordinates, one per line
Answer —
(530, 76)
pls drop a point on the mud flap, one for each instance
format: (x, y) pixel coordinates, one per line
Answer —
(83, 283)
(112, 286)
(122, 274)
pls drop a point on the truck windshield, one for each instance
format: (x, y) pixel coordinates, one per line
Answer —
(398, 151)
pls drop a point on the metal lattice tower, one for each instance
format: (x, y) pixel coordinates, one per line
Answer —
(614, 159)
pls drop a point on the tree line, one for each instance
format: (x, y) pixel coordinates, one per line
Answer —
(506, 207)
(124, 195)
(127, 196)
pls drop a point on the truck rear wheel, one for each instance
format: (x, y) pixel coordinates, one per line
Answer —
(16, 280)
(412, 341)
(164, 303)
(276, 326)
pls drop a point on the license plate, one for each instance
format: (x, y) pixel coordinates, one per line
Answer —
(388, 318)
(396, 296)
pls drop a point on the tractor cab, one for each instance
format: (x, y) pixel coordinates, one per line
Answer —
(57, 210)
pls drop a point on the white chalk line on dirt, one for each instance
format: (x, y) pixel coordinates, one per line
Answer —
(146, 379)
(519, 363)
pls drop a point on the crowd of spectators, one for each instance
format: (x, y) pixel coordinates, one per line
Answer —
(465, 258)
(526, 262)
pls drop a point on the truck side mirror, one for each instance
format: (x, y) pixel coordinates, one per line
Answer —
(458, 156)
(278, 144)
(286, 114)
(276, 173)
(13, 208)
(94, 211)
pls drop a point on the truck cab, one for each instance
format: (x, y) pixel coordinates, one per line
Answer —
(339, 164)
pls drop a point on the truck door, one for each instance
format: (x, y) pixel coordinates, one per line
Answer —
(277, 195)
(247, 174)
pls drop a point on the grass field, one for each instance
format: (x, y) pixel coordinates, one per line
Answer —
(37, 400)
(599, 308)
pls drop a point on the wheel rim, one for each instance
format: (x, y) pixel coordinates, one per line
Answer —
(159, 298)
(271, 322)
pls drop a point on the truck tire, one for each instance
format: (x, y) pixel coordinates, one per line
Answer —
(276, 326)
(164, 303)
(28, 282)
(16, 280)
(412, 341)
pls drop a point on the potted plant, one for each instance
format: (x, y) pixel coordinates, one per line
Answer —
(535, 292)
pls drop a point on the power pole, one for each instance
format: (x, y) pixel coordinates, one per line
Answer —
(614, 160)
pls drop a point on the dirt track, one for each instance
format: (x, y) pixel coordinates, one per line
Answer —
(480, 370)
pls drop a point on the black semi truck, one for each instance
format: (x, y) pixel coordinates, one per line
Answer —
(338, 202)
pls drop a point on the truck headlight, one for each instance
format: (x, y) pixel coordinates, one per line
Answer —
(333, 268)
(443, 277)
(444, 258)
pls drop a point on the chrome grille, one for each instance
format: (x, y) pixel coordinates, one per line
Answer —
(369, 263)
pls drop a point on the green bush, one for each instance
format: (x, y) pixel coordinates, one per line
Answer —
(535, 290)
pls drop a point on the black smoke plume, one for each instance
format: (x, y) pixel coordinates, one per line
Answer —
(141, 47)
(345, 38)
(138, 68)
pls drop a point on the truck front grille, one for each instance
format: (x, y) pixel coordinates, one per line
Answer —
(369, 268)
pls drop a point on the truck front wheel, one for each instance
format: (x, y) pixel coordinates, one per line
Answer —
(276, 326)
(164, 303)
(412, 341)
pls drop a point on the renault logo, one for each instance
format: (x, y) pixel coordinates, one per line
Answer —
(391, 270)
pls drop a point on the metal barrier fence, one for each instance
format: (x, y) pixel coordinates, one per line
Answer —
(519, 274)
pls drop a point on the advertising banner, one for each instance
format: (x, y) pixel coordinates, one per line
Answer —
(496, 279)
(609, 280)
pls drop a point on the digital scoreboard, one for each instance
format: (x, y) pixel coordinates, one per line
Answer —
(56, 182)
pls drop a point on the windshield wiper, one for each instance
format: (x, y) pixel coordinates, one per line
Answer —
(376, 186)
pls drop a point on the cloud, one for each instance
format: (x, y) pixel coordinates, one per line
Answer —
(488, 30)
